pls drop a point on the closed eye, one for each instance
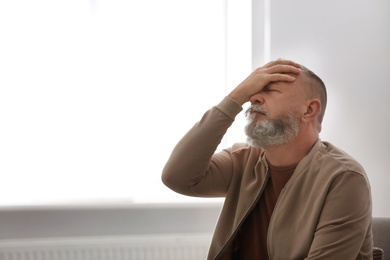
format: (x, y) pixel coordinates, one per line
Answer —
(269, 89)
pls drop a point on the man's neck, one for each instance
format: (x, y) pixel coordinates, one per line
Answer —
(289, 154)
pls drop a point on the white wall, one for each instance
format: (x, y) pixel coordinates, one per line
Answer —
(347, 43)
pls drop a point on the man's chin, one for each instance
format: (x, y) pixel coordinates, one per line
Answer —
(266, 142)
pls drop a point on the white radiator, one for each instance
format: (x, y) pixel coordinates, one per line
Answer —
(156, 247)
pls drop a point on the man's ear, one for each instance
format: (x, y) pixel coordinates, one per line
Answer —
(313, 109)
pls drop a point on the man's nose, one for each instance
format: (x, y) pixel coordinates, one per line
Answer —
(257, 99)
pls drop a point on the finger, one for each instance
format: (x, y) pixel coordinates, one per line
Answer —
(282, 68)
(283, 62)
(281, 77)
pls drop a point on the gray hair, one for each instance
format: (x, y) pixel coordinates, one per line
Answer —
(316, 89)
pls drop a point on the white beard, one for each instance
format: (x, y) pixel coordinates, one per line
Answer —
(271, 132)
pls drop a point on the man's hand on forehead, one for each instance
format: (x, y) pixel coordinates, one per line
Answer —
(274, 71)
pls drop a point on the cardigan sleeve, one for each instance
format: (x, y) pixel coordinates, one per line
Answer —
(193, 168)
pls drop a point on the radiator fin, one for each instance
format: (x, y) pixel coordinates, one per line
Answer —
(167, 247)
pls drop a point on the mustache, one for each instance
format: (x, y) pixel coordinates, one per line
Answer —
(255, 108)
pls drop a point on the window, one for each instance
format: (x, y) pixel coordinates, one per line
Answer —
(95, 94)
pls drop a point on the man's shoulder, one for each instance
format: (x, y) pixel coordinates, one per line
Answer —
(327, 162)
(333, 156)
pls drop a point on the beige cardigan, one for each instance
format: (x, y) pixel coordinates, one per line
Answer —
(324, 211)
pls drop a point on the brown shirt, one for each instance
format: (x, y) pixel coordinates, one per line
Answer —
(251, 240)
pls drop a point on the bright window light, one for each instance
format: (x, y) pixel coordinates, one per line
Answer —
(95, 94)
